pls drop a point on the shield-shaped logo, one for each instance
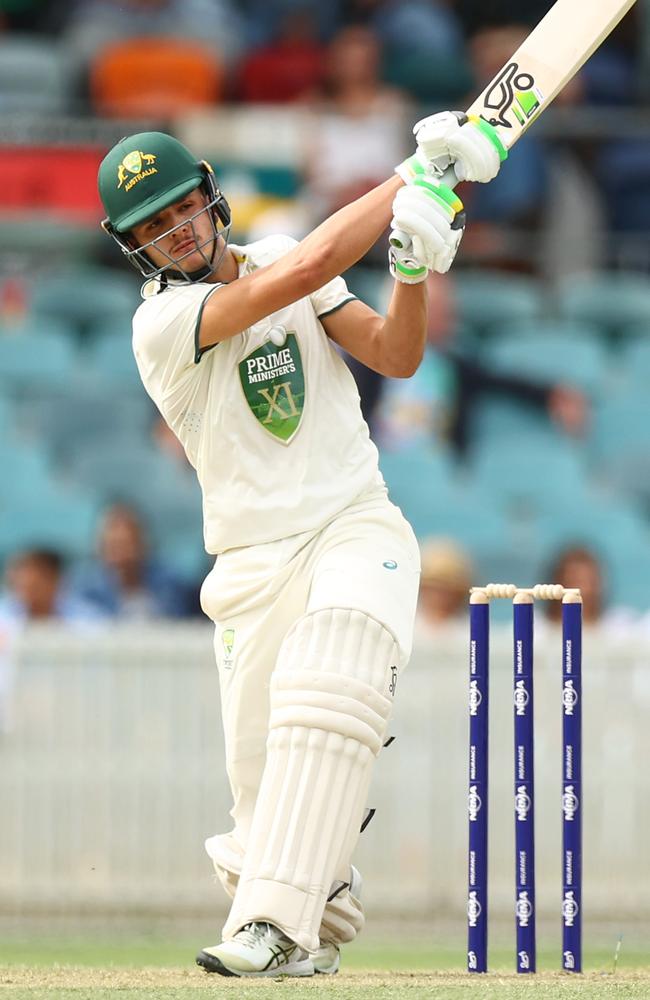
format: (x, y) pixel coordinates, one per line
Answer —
(133, 161)
(274, 387)
(228, 643)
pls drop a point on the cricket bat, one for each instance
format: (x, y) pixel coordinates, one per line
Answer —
(551, 55)
(543, 64)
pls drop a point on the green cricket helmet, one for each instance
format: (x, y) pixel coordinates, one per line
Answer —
(142, 175)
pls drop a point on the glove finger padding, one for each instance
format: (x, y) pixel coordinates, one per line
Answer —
(472, 144)
(426, 211)
(476, 156)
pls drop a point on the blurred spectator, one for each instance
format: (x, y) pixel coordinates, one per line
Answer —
(93, 24)
(290, 65)
(578, 566)
(264, 16)
(125, 581)
(439, 400)
(424, 51)
(358, 133)
(444, 585)
(36, 590)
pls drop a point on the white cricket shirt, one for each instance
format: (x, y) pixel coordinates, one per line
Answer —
(273, 427)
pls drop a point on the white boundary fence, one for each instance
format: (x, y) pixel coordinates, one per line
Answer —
(111, 776)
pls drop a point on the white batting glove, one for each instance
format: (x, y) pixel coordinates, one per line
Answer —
(429, 220)
(471, 144)
(402, 260)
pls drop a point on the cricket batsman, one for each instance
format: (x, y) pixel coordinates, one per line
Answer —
(315, 579)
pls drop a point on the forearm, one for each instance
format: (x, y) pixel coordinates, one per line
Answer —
(345, 237)
(403, 334)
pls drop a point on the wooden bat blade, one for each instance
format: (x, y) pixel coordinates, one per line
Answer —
(544, 63)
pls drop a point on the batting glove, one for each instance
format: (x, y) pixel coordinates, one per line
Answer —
(471, 144)
(428, 224)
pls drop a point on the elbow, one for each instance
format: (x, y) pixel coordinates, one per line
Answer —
(403, 367)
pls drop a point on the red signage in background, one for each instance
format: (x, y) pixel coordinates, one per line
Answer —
(58, 182)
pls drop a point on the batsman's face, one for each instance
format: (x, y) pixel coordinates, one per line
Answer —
(178, 233)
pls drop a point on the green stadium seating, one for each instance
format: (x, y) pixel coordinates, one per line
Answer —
(612, 301)
(82, 297)
(536, 472)
(553, 352)
(485, 298)
(32, 359)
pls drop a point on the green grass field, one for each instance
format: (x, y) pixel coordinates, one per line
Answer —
(115, 966)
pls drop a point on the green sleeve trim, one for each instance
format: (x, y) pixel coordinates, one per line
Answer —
(492, 134)
(350, 298)
(200, 351)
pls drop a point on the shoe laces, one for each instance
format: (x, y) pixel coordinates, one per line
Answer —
(254, 933)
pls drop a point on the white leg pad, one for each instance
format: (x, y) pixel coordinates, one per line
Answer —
(343, 917)
(330, 706)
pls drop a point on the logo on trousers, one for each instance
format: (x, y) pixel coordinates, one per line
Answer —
(474, 909)
(523, 909)
(569, 697)
(570, 803)
(569, 908)
(522, 804)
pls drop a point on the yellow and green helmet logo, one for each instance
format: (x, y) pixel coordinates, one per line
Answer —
(143, 174)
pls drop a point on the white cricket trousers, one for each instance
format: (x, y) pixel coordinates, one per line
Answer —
(366, 560)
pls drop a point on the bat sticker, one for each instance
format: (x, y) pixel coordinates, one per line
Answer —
(512, 90)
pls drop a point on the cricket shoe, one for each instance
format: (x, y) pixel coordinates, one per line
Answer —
(328, 957)
(258, 949)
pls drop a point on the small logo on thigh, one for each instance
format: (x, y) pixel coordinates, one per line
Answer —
(228, 643)
(392, 687)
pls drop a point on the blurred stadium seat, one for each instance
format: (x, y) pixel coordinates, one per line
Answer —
(73, 418)
(86, 297)
(131, 470)
(540, 472)
(33, 75)
(154, 77)
(111, 358)
(634, 358)
(612, 301)
(56, 518)
(500, 419)
(484, 298)
(26, 471)
(29, 359)
(557, 352)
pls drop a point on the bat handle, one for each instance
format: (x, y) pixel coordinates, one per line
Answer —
(401, 240)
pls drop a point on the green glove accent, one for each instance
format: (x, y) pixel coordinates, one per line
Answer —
(410, 168)
(444, 195)
(491, 133)
(403, 268)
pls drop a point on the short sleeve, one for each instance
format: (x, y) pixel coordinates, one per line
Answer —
(165, 341)
(331, 297)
